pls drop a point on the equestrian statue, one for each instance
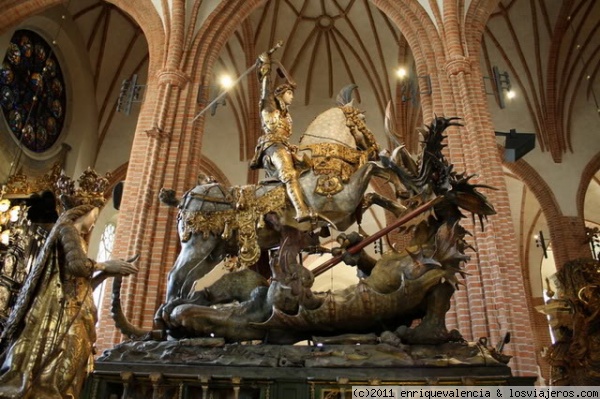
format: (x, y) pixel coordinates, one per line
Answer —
(310, 188)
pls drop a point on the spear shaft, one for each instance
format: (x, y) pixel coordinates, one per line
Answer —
(374, 237)
(242, 76)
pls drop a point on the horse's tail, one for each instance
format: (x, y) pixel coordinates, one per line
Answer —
(119, 317)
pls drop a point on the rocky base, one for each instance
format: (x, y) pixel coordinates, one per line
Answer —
(214, 352)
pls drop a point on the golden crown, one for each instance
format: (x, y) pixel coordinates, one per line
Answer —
(91, 189)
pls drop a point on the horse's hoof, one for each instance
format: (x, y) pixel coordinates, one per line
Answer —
(312, 216)
(319, 217)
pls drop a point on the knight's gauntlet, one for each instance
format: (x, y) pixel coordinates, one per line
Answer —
(264, 65)
(263, 70)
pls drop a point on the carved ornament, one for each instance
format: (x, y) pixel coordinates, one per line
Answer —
(22, 184)
(335, 163)
(244, 219)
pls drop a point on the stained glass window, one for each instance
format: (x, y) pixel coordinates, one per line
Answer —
(32, 91)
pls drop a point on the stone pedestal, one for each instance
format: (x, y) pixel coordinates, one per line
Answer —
(205, 368)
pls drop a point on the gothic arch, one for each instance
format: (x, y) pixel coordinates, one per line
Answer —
(423, 39)
(118, 174)
(210, 168)
(411, 19)
(543, 194)
(146, 16)
(18, 10)
(476, 19)
(586, 177)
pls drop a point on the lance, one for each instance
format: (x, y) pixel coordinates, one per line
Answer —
(242, 76)
(372, 238)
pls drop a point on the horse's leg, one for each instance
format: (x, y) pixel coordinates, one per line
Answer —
(377, 199)
(197, 257)
(372, 169)
(292, 281)
(387, 174)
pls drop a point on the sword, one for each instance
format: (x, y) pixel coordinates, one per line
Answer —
(242, 76)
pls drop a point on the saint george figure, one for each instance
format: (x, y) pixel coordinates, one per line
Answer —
(49, 337)
(273, 151)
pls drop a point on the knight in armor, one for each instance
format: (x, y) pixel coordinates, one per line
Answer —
(273, 152)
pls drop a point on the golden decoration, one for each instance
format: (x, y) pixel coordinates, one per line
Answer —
(91, 189)
(245, 218)
(24, 185)
(335, 163)
(364, 137)
(329, 185)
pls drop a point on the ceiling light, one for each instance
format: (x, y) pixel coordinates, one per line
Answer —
(226, 82)
(401, 73)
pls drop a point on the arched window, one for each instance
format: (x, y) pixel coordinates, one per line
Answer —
(107, 241)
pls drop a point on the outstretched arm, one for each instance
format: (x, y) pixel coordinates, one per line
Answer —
(267, 100)
(114, 267)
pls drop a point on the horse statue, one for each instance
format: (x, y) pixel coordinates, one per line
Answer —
(215, 222)
(412, 283)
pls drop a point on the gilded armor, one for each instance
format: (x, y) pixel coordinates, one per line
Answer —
(273, 152)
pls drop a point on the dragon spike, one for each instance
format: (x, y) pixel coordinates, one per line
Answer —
(407, 178)
(420, 258)
(450, 121)
(344, 97)
(463, 273)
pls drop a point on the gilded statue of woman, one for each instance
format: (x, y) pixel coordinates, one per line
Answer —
(49, 337)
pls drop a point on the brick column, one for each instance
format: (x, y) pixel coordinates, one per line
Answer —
(145, 226)
(492, 302)
(166, 153)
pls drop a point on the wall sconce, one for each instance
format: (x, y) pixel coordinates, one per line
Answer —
(225, 83)
(11, 217)
(213, 103)
(517, 145)
(411, 85)
(130, 93)
(540, 242)
(501, 82)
